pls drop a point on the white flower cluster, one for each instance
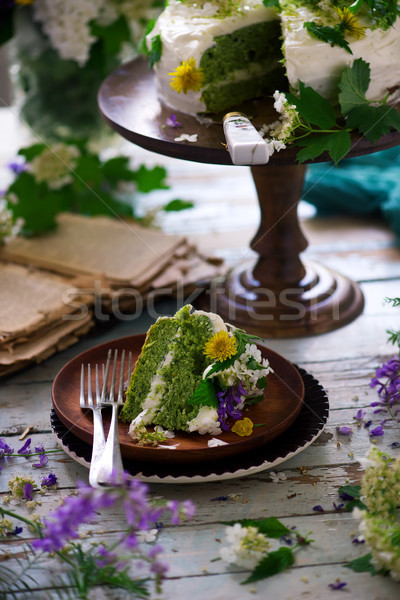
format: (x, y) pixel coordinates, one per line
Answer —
(378, 525)
(242, 370)
(247, 546)
(288, 121)
(8, 228)
(67, 24)
(54, 165)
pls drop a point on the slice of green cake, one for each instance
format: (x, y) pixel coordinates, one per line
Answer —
(193, 375)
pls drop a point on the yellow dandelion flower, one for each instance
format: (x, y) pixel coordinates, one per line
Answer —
(187, 77)
(349, 23)
(243, 427)
(221, 346)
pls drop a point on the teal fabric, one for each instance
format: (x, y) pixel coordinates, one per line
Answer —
(368, 185)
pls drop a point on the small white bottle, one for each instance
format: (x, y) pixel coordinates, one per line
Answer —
(245, 144)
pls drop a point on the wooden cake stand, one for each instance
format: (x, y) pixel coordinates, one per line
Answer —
(278, 295)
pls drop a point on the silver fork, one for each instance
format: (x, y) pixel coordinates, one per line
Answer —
(110, 469)
(86, 402)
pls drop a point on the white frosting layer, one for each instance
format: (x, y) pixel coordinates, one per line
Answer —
(319, 65)
(187, 32)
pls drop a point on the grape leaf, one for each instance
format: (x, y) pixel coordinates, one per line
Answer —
(373, 121)
(353, 85)
(337, 144)
(204, 394)
(330, 35)
(363, 565)
(272, 563)
(313, 107)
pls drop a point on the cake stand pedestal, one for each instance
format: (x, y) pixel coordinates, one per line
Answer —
(278, 295)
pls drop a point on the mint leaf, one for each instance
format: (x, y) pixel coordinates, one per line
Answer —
(353, 85)
(156, 50)
(204, 395)
(363, 565)
(177, 205)
(274, 562)
(313, 107)
(270, 526)
(330, 35)
(373, 121)
(337, 144)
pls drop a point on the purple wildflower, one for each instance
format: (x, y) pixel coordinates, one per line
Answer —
(395, 444)
(17, 166)
(228, 400)
(344, 430)
(377, 431)
(345, 496)
(106, 557)
(219, 499)
(172, 122)
(28, 491)
(337, 506)
(338, 585)
(40, 449)
(50, 480)
(43, 460)
(367, 424)
(318, 508)
(358, 541)
(359, 415)
(5, 449)
(15, 531)
(26, 448)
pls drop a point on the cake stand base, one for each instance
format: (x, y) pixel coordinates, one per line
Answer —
(323, 300)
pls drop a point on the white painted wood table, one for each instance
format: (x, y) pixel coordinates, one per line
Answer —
(343, 361)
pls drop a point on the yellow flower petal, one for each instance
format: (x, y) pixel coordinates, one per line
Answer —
(187, 77)
(221, 346)
(349, 23)
(243, 427)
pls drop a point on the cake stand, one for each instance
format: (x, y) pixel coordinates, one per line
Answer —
(278, 294)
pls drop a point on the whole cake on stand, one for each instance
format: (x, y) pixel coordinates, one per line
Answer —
(278, 295)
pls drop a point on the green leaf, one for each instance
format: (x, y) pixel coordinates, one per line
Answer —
(156, 50)
(353, 85)
(6, 25)
(270, 526)
(112, 35)
(327, 34)
(363, 565)
(149, 27)
(30, 152)
(273, 563)
(117, 169)
(374, 121)
(269, 3)
(337, 144)
(355, 503)
(262, 383)
(313, 107)
(351, 490)
(177, 205)
(148, 180)
(204, 395)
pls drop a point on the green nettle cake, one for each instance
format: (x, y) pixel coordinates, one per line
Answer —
(208, 56)
(194, 374)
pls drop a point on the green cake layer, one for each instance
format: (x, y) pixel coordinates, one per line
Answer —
(172, 353)
(243, 65)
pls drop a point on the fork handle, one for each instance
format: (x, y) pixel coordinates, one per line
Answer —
(99, 443)
(111, 468)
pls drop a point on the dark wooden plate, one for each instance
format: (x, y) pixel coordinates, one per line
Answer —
(282, 403)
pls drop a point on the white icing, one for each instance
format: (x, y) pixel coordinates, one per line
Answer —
(154, 397)
(319, 65)
(187, 32)
(206, 421)
(216, 321)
